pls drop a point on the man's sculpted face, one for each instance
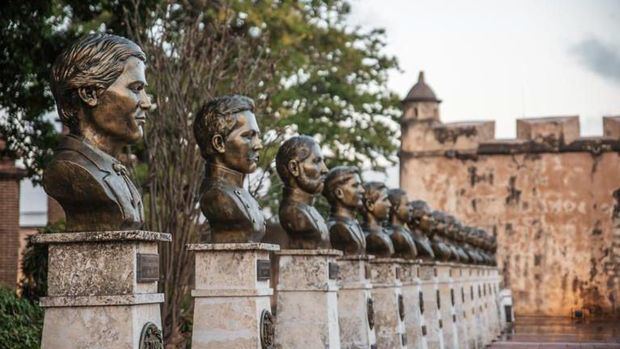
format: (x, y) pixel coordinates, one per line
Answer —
(120, 112)
(242, 146)
(381, 207)
(312, 171)
(404, 210)
(350, 193)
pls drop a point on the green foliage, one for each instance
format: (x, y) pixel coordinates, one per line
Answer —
(21, 321)
(33, 284)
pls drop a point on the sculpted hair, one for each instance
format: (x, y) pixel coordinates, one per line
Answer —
(295, 148)
(373, 192)
(420, 208)
(395, 196)
(95, 61)
(336, 177)
(218, 117)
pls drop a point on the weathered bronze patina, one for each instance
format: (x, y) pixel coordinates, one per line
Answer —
(440, 248)
(151, 337)
(98, 84)
(470, 249)
(267, 330)
(420, 222)
(375, 210)
(229, 139)
(301, 168)
(400, 213)
(343, 190)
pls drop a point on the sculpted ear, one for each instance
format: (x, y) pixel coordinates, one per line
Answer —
(88, 95)
(217, 142)
(293, 168)
(339, 193)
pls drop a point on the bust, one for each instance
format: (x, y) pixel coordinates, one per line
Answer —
(450, 237)
(302, 169)
(421, 220)
(343, 190)
(470, 249)
(229, 139)
(401, 212)
(456, 234)
(375, 210)
(438, 229)
(98, 85)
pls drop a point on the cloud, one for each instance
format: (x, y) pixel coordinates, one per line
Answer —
(600, 58)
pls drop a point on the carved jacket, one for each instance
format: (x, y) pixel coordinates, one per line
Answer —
(404, 246)
(423, 244)
(304, 225)
(346, 235)
(93, 188)
(378, 243)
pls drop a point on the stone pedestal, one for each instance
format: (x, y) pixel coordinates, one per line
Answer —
(431, 314)
(414, 321)
(479, 304)
(307, 302)
(389, 302)
(492, 302)
(473, 325)
(459, 272)
(355, 303)
(102, 289)
(232, 304)
(446, 304)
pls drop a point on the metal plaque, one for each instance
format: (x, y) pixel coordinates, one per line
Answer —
(263, 270)
(452, 296)
(398, 272)
(453, 318)
(438, 299)
(267, 330)
(373, 346)
(367, 271)
(370, 312)
(148, 267)
(334, 269)
(151, 337)
(421, 302)
(424, 330)
(440, 323)
(401, 307)
(403, 339)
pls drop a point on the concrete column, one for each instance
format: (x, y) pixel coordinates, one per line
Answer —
(411, 297)
(459, 272)
(431, 313)
(232, 304)
(355, 303)
(102, 290)
(307, 300)
(446, 304)
(389, 302)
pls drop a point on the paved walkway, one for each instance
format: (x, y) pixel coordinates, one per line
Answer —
(555, 333)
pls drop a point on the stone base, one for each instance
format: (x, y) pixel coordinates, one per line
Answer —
(102, 289)
(355, 303)
(431, 314)
(232, 306)
(447, 302)
(459, 272)
(307, 302)
(414, 321)
(389, 302)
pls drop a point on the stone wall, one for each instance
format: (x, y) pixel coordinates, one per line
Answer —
(552, 198)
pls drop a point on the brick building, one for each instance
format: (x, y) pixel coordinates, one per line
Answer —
(551, 196)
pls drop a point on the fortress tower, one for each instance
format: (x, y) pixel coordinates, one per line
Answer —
(551, 196)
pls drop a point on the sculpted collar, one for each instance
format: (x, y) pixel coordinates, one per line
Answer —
(298, 195)
(224, 174)
(102, 160)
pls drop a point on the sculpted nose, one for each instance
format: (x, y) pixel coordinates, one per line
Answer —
(258, 144)
(145, 101)
(324, 169)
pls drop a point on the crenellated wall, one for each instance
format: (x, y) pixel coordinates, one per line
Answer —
(551, 196)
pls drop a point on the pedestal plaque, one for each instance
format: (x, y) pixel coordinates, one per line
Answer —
(355, 303)
(307, 302)
(232, 305)
(431, 314)
(97, 296)
(414, 321)
(390, 308)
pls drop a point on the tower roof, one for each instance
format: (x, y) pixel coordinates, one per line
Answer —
(421, 92)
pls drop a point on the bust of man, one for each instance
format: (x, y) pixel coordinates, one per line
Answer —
(229, 139)
(375, 210)
(302, 169)
(420, 222)
(456, 236)
(98, 84)
(441, 249)
(400, 213)
(450, 235)
(343, 190)
(470, 249)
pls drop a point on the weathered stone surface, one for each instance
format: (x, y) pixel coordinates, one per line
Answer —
(307, 303)
(431, 314)
(389, 326)
(445, 285)
(354, 295)
(414, 321)
(229, 296)
(101, 236)
(81, 301)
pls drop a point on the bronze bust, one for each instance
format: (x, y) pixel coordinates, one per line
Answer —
(400, 213)
(343, 190)
(302, 169)
(420, 222)
(438, 229)
(229, 139)
(375, 210)
(98, 84)
(470, 249)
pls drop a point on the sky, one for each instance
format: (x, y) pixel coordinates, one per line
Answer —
(503, 60)
(493, 60)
